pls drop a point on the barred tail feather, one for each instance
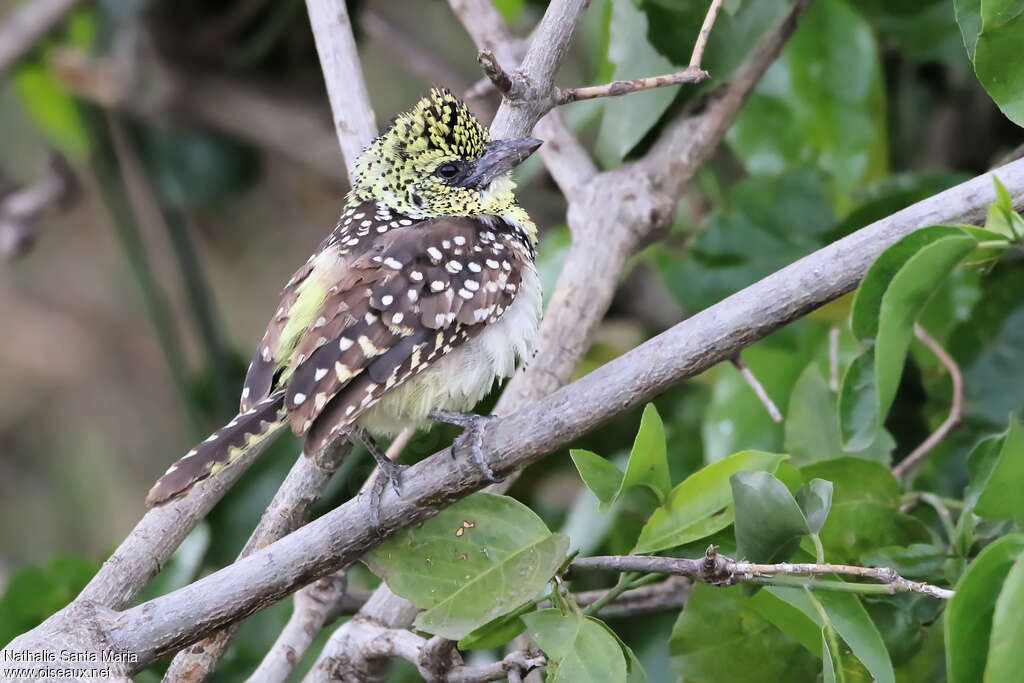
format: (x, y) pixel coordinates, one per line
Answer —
(220, 449)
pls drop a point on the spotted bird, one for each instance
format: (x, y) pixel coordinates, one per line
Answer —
(423, 295)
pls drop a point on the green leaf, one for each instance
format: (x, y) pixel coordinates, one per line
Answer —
(579, 648)
(769, 523)
(601, 476)
(859, 407)
(494, 633)
(968, 16)
(867, 306)
(723, 636)
(822, 100)
(648, 461)
(647, 466)
(627, 119)
(850, 620)
(1001, 497)
(894, 292)
(812, 424)
(472, 562)
(1005, 654)
(815, 500)
(989, 346)
(51, 108)
(917, 560)
(969, 617)
(998, 60)
(856, 480)
(700, 504)
(904, 299)
(1002, 219)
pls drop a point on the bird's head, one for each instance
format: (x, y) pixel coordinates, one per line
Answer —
(438, 160)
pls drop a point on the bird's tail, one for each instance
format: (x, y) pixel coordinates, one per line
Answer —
(223, 447)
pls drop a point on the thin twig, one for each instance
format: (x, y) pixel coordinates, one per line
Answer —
(955, 408)
(719, 570)
(758, 388)
(833, 359)
(25, 24)
(492, 69)
(617, 88)
(697, 56)
(691, 74)
(666, 595)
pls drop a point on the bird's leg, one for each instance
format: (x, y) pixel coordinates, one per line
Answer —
(389, 470)
(473, 432)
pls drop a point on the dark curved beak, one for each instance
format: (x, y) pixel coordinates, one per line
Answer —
(499, 157)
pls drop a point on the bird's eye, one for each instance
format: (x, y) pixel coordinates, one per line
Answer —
(448, 171)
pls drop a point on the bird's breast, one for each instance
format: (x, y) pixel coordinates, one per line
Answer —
(462, 378)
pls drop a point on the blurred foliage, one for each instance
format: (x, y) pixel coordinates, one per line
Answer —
(873, 105)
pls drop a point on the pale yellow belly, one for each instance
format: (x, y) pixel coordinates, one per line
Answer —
(462, 378)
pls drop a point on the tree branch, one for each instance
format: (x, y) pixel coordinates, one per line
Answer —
(301, 489)
(343, 75)
(20, 208)
(955, 408)
(755, 385)
(719, 570)
(433, 663)
(25, 24)
(618, 88)
(316, 605)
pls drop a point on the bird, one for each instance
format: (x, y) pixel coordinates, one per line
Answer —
(421, 298)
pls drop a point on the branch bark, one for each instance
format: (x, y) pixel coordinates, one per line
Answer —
(343, 75)
(719, 570)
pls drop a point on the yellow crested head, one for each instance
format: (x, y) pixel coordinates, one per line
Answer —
(437, 159)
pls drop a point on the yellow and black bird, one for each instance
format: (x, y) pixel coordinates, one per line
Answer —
(423, 295)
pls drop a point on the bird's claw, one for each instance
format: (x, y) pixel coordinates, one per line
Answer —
(472, 437)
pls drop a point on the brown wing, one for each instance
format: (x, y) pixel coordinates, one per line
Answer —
(357, 229)
(415, 295)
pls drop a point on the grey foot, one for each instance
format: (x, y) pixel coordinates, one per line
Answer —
(472, 435)
(390, 472)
